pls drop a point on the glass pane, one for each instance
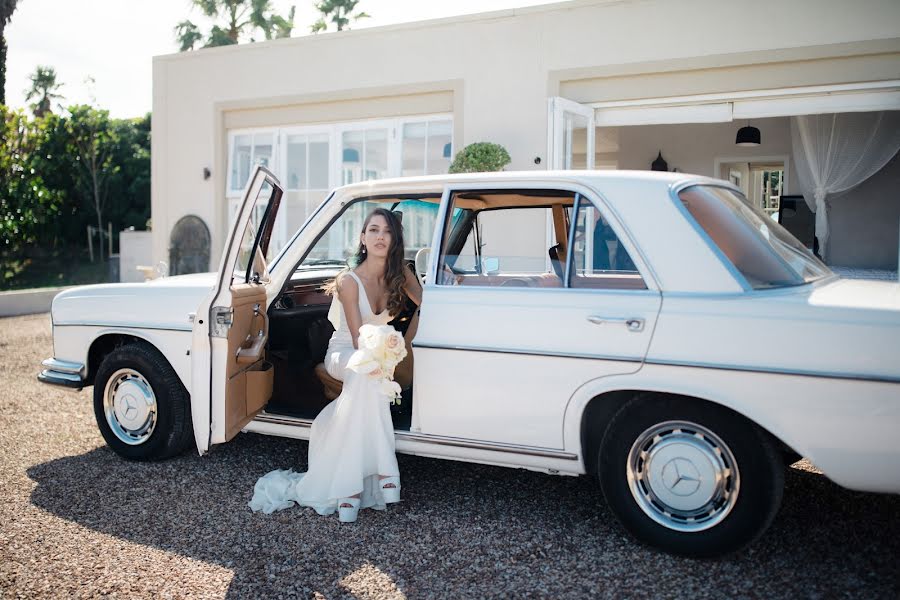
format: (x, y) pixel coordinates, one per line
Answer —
(351, 156)
(599, 259)
(513, 249)
(341, 241)
(262, 149)
(765, 253)
(318, 162)
(414, 138)
(254, 224)
(296, 162)
(440, 147)
(376, 159)
(240, 162)
(574, 141)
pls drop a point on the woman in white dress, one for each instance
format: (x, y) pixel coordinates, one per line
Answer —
(352, 463)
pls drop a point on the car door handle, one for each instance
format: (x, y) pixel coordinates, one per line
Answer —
(633, 324)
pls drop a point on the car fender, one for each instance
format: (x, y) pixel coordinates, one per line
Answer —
(845, 426)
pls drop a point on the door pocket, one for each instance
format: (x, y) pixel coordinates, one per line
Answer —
(259, 386)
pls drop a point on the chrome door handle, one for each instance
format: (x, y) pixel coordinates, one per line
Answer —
(633, 324)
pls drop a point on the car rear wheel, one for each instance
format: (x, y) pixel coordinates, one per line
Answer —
(142, 409)
(689, 477)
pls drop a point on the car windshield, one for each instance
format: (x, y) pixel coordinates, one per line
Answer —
(761, 250)
(340, 241)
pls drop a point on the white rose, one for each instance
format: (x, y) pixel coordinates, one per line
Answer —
(363, 362)
(391, 389)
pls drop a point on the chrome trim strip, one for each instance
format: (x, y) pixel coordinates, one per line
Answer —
(125, 326)
(629, 359)
(66, 380)
(276, 419)
(775, 371)
(62, 366)
(597, 292)
(439, 440)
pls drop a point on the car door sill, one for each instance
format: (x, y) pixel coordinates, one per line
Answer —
(440, 440)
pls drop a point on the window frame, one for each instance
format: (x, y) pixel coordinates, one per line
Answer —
(231, 193)
(308, 131)
(403, 121)
(591, 195)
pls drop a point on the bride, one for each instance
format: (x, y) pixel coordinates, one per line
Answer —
(352, 463)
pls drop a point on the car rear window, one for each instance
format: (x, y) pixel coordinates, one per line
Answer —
(760, 249)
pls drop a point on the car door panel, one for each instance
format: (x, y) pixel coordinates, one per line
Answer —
(230, 379)
(497, 358)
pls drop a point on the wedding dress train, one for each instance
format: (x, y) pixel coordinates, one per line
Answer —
(351, 441)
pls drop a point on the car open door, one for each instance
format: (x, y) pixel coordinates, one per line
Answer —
(230, 379)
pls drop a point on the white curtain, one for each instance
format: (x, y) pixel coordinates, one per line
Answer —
(834, 153)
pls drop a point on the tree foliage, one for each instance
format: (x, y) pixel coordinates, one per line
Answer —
(43, 88)
(7, 8)
(235, 19)
(339, 12)
(480, 157)
(56, 170)
(28, 207)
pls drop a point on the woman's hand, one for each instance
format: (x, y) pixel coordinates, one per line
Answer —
(348, 294)
(412, 288)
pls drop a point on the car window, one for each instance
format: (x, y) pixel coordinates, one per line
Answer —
(340, 241)
(257, 222)
(761, 250)
(496, 243)
(599, 259)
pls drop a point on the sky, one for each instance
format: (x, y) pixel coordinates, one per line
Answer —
(113, 41)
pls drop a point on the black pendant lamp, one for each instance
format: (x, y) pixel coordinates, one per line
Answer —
(659, 164)
(748, 136)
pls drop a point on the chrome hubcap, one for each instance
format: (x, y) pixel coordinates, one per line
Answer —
(130, 406)
(683, 476)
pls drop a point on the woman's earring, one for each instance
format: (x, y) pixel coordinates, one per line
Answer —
(364, 250)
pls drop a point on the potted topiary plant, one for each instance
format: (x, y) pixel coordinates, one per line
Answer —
(480, 157)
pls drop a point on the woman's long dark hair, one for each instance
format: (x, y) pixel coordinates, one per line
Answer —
(395, 267)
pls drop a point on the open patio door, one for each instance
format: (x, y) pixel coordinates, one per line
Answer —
(570, 135)
(230, 379)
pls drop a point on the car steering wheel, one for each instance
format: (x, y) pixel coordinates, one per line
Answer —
(516, 282)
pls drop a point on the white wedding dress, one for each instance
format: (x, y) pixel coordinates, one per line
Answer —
(352, 440)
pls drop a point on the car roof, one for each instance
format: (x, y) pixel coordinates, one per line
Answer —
(436, 183)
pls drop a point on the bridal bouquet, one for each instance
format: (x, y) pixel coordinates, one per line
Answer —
(381, 348)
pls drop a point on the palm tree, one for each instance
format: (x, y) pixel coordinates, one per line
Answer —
(240, 16)
(338, 12)
(44, 88)
(7, 7)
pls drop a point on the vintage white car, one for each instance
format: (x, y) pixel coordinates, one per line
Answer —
(651, 329)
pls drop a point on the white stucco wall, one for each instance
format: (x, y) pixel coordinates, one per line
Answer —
(500, 68)
(135, 249)
(694, 147)
(866, 222)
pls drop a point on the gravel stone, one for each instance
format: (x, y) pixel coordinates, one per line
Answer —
(77, 521)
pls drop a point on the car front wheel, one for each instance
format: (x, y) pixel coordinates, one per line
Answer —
(141, 407)
(689, 477)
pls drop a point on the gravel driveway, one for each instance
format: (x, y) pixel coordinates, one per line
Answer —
(77, 521)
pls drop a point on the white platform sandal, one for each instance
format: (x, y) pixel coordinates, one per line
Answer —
(348, 514)
(390, 494)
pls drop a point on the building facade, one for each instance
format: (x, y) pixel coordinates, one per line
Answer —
(580, 84)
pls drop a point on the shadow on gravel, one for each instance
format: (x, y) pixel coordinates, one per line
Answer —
(462, 530)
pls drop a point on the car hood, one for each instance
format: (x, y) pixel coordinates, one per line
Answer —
(164, 303)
